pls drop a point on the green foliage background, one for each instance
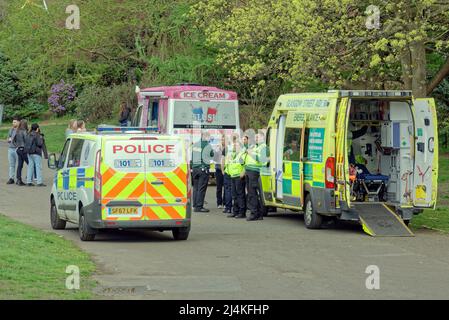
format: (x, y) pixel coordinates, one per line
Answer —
(260, 48)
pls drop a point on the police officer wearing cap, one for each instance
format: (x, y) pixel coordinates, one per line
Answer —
(256, 158)
(202, 153)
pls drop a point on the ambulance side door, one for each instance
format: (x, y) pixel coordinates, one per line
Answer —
(426, 154)
(73, 166)
(292, 148)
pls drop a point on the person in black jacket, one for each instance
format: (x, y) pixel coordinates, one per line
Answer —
(19, 142)
(34, 146)
(125, 115)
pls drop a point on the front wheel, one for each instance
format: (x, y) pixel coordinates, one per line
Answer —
(56, 222)
(181, 233)
(86, 233)
(312, 219)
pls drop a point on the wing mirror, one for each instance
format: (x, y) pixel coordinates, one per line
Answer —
(52, 161)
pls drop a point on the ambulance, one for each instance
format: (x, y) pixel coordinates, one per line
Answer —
(364, 155)
(121, 180)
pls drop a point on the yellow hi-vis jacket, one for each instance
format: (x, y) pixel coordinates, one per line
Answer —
(235, 165)
(257, 157)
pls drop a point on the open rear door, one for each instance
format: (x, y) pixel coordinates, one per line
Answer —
(426, 153)
(342, 150)
(278, 176)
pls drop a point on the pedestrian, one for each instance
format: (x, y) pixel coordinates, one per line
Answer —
(72, 128)
(19, 142)
(34, 146)
(256, 157)
(235, 169)
(200, 165)
(219, 176)
(12, 154)
(125, 115)
(227, 181)
(81, 126)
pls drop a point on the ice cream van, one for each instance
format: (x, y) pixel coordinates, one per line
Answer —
(366, 156)
(187, 109)
(121, 180)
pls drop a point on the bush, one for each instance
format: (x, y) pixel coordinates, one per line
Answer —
(61, 98)
(30, 110)
(96, 103)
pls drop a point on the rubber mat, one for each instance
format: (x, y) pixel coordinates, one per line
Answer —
(380, 221)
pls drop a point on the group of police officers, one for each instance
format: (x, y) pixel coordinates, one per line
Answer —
(241, 164)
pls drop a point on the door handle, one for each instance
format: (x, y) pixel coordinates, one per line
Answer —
(158, 182)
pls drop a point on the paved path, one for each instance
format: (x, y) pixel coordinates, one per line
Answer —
(276, 258)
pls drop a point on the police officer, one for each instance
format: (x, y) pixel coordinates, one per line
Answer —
(202, 153)
(256, 157)
(235, 168)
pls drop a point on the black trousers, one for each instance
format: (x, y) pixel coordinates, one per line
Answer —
(200, 178)
(21, 158)
(254, 200)
(220, 180)
(238, 195)
(227, 191)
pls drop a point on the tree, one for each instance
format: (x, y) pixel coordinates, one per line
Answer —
(309, 42)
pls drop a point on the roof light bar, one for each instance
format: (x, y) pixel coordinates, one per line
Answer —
(104, 129)
(373, 93)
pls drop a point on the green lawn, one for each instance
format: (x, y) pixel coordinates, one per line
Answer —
(33, 264)
(437, 219)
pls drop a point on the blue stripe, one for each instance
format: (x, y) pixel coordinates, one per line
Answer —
(65, 179)
(80, 173)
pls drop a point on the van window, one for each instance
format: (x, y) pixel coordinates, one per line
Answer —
(138, 114)
(291, 144)
(63, 156)
(153, 112)
(313, 144)
(76, 148)
(87, 154)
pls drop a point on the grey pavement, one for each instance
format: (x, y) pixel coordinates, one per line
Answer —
(277, 258)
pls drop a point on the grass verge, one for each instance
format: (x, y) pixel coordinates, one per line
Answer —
(33, 264)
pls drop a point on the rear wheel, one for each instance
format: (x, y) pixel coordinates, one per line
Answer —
(312, 219)
(56, 222)
(86, 233)
(181, 233)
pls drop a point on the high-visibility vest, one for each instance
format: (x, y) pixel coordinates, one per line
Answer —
(255, 159)
(236, 164)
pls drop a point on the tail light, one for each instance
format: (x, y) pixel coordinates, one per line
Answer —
(330, 173)
(97, 180)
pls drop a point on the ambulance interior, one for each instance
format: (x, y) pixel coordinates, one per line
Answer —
(380, 156)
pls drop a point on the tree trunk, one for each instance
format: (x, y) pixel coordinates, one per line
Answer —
(443, 73)
(418, 65)
(407, 76)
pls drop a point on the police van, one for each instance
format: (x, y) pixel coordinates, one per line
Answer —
(118, 180)
(367, 156)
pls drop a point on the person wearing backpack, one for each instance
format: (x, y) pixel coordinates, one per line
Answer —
(34, 146)
(19, 142)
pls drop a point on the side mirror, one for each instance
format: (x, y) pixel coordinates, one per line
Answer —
(52, 161)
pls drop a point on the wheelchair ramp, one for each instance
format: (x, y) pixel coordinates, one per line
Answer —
(380, 221)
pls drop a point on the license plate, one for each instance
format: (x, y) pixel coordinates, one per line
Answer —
(128, 163)
(162, 163)
(124, 211)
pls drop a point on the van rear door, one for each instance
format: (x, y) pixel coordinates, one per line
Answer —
(342, 148)
(166, 179)
(426, 153)
(123, 189)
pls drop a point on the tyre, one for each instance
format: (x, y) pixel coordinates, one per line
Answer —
(312, 219)
(56, 222)
(86, 233)
(181, 233)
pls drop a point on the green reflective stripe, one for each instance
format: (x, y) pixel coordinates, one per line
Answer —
(287, 186)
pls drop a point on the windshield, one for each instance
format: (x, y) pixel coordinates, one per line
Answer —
(205, 114)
